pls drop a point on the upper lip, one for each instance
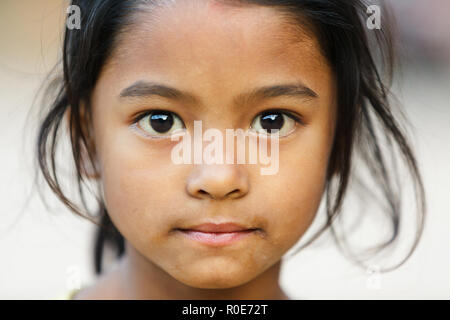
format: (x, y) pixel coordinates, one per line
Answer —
(221, 227)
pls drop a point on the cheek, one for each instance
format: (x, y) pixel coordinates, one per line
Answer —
(139, 185)
(294, 193)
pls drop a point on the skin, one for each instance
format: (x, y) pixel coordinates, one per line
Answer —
(215, 52)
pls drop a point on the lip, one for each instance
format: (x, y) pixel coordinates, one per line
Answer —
(218, 227)
(217, 234)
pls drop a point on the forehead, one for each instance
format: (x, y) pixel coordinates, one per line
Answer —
(194, 28)
(193, 38)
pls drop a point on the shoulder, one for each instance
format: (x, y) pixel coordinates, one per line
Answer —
(107, 287)
(69, 295)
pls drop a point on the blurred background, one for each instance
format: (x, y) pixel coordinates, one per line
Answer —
(44, 253)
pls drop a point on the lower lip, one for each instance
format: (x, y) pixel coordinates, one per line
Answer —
(216, 238)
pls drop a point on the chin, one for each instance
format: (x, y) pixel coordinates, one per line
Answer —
(215, 282)
(208, 277)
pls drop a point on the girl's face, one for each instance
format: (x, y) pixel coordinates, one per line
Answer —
(216, 54)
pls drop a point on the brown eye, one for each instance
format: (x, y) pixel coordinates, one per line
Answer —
(272, 121)
(160, 123)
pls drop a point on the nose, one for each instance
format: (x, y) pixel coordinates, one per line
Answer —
(218, 181)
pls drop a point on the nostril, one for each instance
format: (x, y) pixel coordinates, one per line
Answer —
(235, 193)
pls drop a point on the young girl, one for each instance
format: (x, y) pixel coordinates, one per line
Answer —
(303, 72)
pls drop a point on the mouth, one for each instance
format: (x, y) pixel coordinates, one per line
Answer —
(217, 234)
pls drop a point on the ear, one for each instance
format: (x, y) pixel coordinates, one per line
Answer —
(87, 168)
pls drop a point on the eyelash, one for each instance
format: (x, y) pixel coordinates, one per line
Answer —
(142, 115)
(298, 118)
(294, 116)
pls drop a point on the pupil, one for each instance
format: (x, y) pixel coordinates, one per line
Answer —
(161, 121)
(272, 121)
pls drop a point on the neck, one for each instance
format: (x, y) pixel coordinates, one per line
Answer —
(139, 278)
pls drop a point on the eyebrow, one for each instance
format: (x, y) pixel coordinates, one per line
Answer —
(146, 89)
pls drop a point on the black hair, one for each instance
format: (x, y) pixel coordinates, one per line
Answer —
(362, 59)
